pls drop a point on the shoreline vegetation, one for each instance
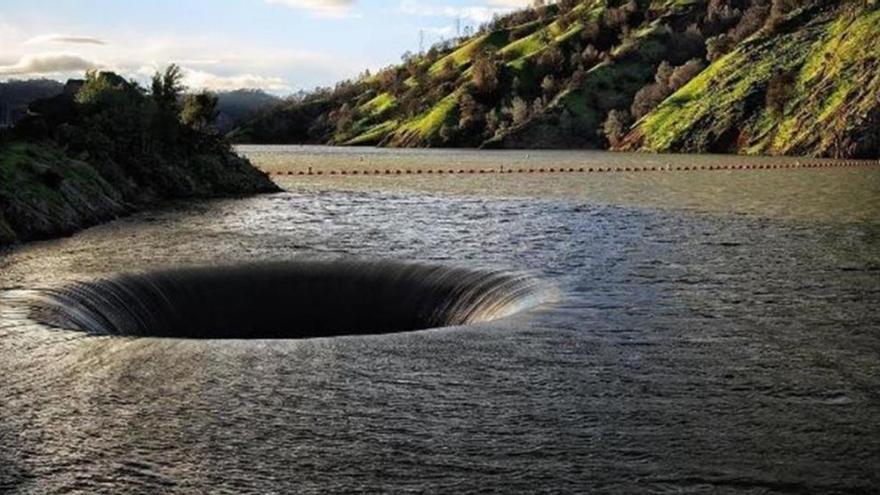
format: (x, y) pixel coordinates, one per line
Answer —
(754, 77)
(107, 147)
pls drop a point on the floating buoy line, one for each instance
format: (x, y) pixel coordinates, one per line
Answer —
(578, 170)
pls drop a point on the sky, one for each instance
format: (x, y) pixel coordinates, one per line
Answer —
(280, 46)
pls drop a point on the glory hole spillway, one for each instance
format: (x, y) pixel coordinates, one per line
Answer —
(286, 300)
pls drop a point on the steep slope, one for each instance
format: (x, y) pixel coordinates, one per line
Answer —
(828, 62)
(749, 76)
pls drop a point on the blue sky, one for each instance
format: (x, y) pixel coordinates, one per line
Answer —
(277, 45)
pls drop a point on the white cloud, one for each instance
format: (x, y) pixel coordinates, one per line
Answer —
(323, 8)
(47, 63)
(196, 79)
(475, 13)
(199, 62)
(510, 4)
(62, 38)
(443, 32)
(215, 62)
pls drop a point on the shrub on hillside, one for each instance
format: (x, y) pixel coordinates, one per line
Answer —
(719, 46)
(683, 74)
(616, 126)
(519, 111)
(686, 45)
(778, 10)
(779, 92)
(753, 19)
(648, 98)
(486, 73)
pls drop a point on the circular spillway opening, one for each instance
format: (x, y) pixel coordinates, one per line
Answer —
(288, 300)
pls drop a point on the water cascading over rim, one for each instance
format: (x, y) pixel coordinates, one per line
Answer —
(288, 300)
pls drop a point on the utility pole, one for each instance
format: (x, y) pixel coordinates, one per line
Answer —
(421, 41)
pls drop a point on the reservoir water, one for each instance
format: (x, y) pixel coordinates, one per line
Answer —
(697, 331)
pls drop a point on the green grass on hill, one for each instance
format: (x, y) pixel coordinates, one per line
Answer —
(374, 134)
(429, 123)
(835, 60)
(379, 105)
(572, 68)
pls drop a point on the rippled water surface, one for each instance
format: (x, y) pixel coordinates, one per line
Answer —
(713, 332)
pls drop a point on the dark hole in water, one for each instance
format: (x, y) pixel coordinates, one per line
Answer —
(287, 300)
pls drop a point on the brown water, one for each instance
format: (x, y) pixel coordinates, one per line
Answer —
(841, 194)
(713, 332)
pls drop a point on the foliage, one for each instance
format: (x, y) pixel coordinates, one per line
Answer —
(199, 110)
(616, 126)
(780, 91)
(549, 76)
(519, 111)
(486, 73)
(807, 91)
(144, 143)
(167, 87)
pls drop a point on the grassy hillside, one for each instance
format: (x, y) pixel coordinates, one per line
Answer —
(828, 60)
(665, 75)
(43, 193)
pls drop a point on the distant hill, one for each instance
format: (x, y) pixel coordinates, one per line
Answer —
(236, 107)
(15, 96)
(738, 76)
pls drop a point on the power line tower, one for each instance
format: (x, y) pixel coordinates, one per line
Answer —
(421, 41)
(458, 27)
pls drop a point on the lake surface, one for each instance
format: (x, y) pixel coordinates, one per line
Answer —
(712, 331)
